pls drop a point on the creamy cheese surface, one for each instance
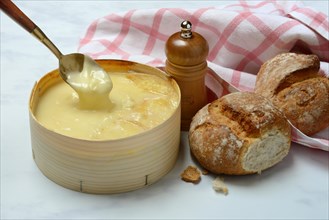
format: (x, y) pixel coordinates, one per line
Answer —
(92, 85)
(136, 103)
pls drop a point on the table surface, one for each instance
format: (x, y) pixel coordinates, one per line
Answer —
(297, 188)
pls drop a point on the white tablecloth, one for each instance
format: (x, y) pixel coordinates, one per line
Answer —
(297, 188)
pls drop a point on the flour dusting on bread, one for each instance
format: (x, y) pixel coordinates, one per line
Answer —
(234, 134)
(294, 84)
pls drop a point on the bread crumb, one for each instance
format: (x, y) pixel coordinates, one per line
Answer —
(219, 186)
(205, 172)
(191, 174)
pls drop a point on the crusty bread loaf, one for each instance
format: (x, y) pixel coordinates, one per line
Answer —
(293, 83)
(240, 133)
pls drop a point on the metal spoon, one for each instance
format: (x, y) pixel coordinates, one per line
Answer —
(67, 63)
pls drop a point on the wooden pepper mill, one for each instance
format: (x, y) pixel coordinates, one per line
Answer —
(186, 62)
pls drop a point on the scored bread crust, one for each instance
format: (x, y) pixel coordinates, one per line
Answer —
(306, 104)
(240, 133)
(283, 70)
(293, 83)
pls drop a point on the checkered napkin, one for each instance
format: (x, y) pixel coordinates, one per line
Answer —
(241, 37)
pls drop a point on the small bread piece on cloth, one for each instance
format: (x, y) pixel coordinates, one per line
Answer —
(191, 174)
(293, 83)
(240, 133)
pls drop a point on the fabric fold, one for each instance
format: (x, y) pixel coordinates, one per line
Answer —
(241, 37)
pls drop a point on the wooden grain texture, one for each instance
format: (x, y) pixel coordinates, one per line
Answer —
(187, 64)
(17, 15)
(103, 167)
(186, 52)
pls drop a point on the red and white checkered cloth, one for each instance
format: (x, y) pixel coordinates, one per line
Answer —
(241, 37)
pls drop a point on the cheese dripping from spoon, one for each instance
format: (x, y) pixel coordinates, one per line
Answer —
(92, 85)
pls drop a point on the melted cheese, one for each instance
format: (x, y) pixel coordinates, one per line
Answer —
(138, 102)
(92, 85)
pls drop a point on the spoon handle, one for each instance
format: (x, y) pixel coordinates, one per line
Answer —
(17, 15)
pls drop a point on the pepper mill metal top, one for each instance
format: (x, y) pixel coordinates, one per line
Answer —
(186, 29)
(186, 48)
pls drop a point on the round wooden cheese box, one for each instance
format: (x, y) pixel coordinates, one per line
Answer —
(105, 166)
